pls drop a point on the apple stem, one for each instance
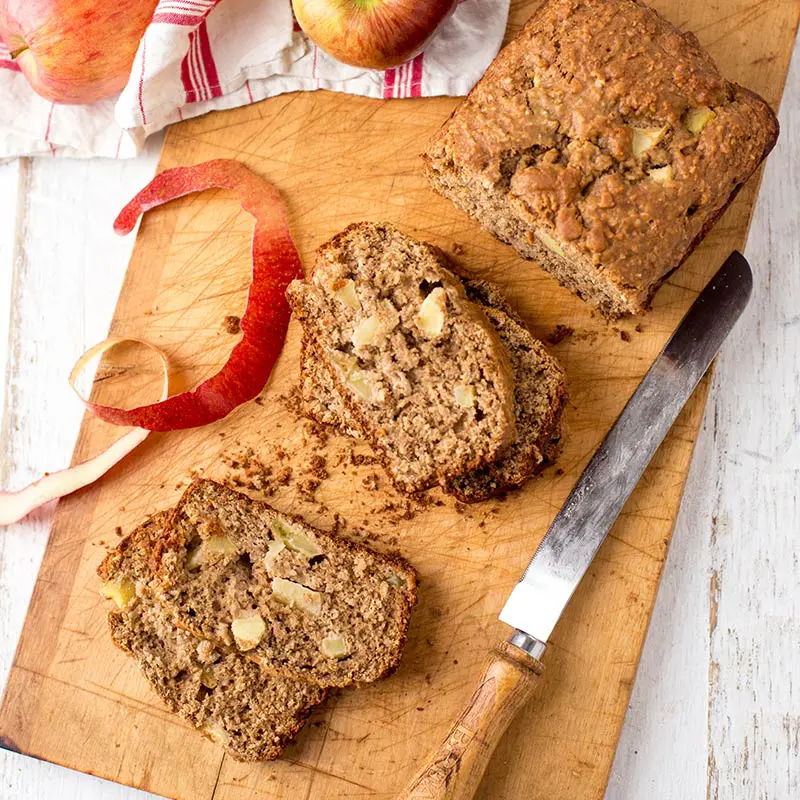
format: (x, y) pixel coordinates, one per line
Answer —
(18, 51)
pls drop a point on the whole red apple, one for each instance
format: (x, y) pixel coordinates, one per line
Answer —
(376, 34)
(74, 51)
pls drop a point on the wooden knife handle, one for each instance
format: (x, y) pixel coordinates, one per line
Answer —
(455, 770)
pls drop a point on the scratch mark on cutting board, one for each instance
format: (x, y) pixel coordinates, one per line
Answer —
(319, 757)
(216, 780)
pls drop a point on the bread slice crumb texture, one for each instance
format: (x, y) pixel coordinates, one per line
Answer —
(228, 698)
(419, 367)
(297, 601)
(539, 396)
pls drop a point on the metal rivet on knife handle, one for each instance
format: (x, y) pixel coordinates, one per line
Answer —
(570, 544)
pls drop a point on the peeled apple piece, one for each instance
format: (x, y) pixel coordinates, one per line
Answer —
(550, 243)
(334, 646)
(220, 544)
(248, 631)
(274, 549)
(295, 539)
(214, 545)
(297, 596)
(432, 313)
(697, 118)
(646, 138)
(662, 174)
(345, 292)
(121, 591)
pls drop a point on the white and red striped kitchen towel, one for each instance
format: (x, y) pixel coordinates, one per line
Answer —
(202, 55)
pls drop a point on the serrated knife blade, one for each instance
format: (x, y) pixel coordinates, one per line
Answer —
(579, 528)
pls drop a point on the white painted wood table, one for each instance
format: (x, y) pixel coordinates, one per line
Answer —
(715, 711)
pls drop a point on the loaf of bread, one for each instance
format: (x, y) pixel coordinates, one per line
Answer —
(420, 369)
(602, 143)
(539, 396)
(301, 603)
(230, 699)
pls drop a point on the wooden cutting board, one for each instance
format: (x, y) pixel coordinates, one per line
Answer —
(76, 701)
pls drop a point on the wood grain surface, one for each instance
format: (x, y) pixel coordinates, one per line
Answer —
(74, 700)
(455, 770)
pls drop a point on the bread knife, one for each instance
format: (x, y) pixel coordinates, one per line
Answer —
(454, 772)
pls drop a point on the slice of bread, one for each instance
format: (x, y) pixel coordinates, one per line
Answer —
(420, 368)
(302, 603)
(320, 397)
(539, 398)
(230, 699)
(489, 295)
(540, 395)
